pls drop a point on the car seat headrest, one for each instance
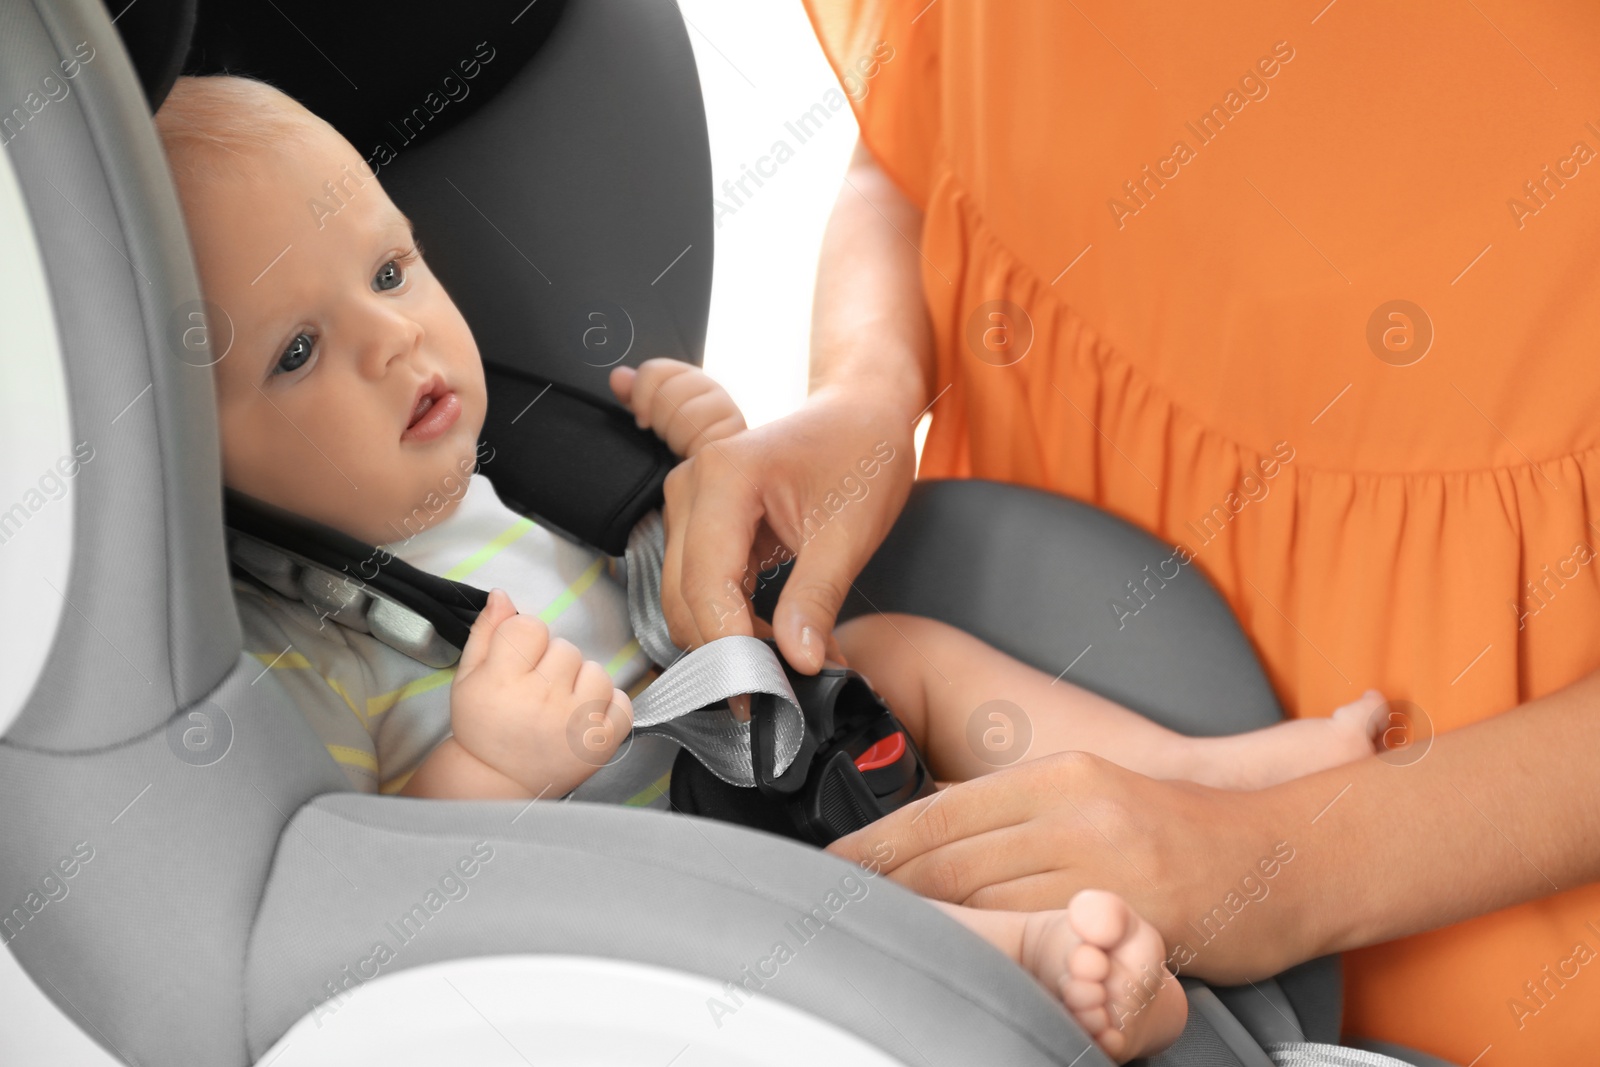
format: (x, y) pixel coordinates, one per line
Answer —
(408, 71)
(156, 34)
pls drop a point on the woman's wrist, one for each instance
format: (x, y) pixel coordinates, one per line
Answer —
(891, 404)
(1245, 904)
(1313, 890)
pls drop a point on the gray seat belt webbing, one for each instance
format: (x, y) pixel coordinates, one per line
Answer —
(1312, 1054)
(677, 703)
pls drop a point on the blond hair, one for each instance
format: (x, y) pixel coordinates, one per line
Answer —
(210, 126)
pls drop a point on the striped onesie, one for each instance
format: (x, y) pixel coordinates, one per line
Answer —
(380, 713)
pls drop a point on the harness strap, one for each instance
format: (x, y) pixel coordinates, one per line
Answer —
(1312, 1054)
(426, 618)
(679, 703)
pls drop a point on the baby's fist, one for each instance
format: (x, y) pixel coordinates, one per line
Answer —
(684, 406)
(531, 707)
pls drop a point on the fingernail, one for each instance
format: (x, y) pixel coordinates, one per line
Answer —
(809, 646)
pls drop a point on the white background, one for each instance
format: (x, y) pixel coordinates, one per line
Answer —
(760, 67)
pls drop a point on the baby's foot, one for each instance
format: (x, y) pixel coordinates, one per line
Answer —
(1291, 749)
(1107, 965)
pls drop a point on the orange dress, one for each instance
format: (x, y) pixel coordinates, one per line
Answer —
(1314, 291)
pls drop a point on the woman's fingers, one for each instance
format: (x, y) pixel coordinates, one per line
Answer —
(827, 481)
(1058, 818)
(963, 870)
(811, 599)
(720, 525)
(675, 517)
(964, 810)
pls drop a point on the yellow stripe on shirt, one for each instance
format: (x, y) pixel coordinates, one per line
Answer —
(573, 592)
(568, 597)
(294, 661)
(283, 661)
(621, 659)
(337, 688)
(354, 757)
(384, 701)
(649, 792)
(489, 551)
(397, 783)
(650, 675)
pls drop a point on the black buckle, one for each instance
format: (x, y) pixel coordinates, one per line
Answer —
(856, 764)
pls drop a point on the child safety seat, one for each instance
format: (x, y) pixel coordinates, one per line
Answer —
(229, 901)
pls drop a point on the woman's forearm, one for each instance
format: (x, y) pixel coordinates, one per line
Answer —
(869, 326)
(1491, 815)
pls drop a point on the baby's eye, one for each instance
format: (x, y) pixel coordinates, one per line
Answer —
(295, 356)
(389, 276)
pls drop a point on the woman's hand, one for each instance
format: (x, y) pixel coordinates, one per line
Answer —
(1205, 866)
(827, 482)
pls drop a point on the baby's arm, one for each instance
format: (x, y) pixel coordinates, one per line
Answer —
(974, 709)
(531, 717)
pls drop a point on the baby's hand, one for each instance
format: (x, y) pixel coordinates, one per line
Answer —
(532, 708)
(684, 406)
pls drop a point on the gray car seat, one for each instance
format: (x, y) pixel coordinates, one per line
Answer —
(184, 875)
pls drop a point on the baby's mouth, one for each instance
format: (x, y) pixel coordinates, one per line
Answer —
(422, 409)
(437, 409)
(435, 391)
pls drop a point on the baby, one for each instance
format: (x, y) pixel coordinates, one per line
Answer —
(353, 389)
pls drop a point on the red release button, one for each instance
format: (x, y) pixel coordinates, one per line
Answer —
(882, 753)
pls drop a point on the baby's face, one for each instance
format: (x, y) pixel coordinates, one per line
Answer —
(341, 335)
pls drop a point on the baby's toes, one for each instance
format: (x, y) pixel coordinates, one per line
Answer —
(1364, 718)
(1100, 917)
(1090, 1008)
(1123, 955)
(1089, 963)
(1083, 987)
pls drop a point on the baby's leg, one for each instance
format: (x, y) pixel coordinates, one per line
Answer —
(1103, 961)
(974, 709)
